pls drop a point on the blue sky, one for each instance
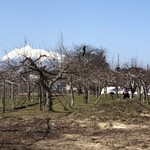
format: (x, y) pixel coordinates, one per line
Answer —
(120, 26)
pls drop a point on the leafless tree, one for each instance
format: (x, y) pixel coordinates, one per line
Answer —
(87, 69)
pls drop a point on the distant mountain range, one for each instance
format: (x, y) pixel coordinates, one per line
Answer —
(17, 55)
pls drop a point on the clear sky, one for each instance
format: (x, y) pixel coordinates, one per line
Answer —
(119, 26)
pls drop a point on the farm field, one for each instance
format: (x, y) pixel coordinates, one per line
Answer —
(106, 125)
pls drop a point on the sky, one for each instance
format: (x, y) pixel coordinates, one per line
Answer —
(122, 27)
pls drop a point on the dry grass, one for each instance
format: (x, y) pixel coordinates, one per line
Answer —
(110, 124)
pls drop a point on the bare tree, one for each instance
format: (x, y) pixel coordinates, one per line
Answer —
(87, 64)
(46, 77)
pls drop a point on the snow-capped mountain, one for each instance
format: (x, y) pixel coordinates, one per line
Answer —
(28, 51)
(18, 55)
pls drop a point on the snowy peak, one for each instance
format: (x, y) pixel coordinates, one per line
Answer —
(28, 51)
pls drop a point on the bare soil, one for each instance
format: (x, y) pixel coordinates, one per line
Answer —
(118, 125)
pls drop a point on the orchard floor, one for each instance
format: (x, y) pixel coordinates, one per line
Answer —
(117, 125)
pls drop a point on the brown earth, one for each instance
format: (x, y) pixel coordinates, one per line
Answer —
(123, 125)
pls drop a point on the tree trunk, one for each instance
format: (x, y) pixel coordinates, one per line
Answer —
(29, 91)
(132, 94)
(138, 93)
(105, 91)
(50, 101)
(145, 94)
(44, 99)
(132, 87)
(40, 97)
(12, 95)
(86, 95)
(72, 92)
(48, 89)
(4, 97)
(72, 96)
(98, 91)
(117, 95)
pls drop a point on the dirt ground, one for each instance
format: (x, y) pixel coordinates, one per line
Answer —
(121, 125)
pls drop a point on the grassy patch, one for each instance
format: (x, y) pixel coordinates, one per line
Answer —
(105, 108)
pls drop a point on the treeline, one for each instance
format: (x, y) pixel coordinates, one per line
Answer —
(84, 67)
